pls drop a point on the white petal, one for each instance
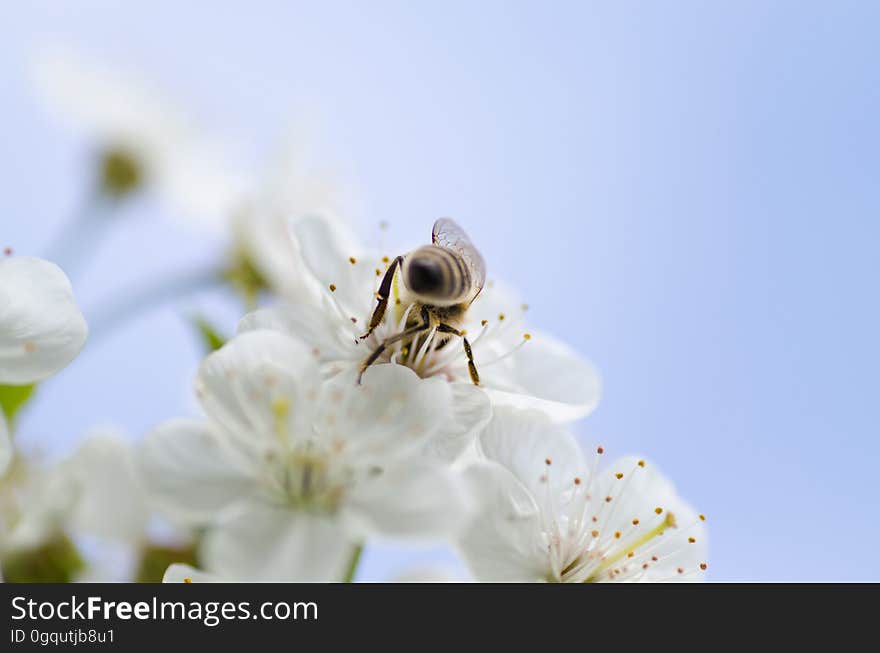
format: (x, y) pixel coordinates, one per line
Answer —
(500, 544)
(5, 446)
(419, 500)
(547, 375)
(110, 502)
(393, 414)
(182, 573)
(523, 442)
(470, 411)
(258, 542)
(189, 472)
(318, 329)
(327, 250)
(258, 389)
(41, 328)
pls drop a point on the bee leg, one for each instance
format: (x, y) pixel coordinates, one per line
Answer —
(472, 368)
(382, 295)
(406, 333)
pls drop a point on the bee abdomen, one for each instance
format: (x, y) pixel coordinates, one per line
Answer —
(437, 273)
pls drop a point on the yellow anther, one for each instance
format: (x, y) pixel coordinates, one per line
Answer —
(618, 475)
(352, 260)
(501, 316)
(187, 580)
(332, 287)
(641, 463)
(527, 336)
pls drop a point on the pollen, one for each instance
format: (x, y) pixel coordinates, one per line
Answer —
(616, 535)
(595, 533)
(332, 287)
(607, 499)
(680, 570)
(501, 317)
(187, 580)
(692, 540)
(702, 517)
(618, 475)
(703, 566)
(378, 272)
(654, 558)
(635, 522)
(630, 554)
(600, 450)
(577, 480)
(547, 461)
(353, 319)
(527, 336)
(641, 463)
(645, 566)
(352, 260)
(484, 322)
(397, 301)
(658, 510)
(385, 259)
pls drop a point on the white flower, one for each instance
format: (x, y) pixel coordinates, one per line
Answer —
(41, 328)
(182, 573)
(290, 473)
(260, 223)
(528, 370)
(143, 138)
(550, 515)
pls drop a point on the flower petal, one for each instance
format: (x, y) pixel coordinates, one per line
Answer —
(41, 328)
(470, 411)
(393, 414)
(316, 328)
(258, 389)
(333, 257)
(419, 500)
(189, 472)
(524, 442)
(110, 502)
(258, 542)
(500, 543)
(183, 573)
(549, 376)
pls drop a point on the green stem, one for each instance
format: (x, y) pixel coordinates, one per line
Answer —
(353, 564)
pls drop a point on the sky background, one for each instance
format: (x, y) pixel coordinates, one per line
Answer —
(687, 192)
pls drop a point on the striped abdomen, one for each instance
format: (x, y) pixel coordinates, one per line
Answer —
(437, 276)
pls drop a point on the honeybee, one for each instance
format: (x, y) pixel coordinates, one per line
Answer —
(441, 281)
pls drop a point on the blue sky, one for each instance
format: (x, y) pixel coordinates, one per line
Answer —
(685, 191)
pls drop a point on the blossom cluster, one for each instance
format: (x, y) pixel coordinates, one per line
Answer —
(323, 428)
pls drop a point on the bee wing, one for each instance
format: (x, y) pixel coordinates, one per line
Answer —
(448, 234)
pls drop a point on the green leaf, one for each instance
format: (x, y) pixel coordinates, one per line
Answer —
(56, 560)
(14, 397)
(210, 337)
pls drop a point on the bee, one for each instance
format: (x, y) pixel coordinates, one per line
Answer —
(440, 281)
